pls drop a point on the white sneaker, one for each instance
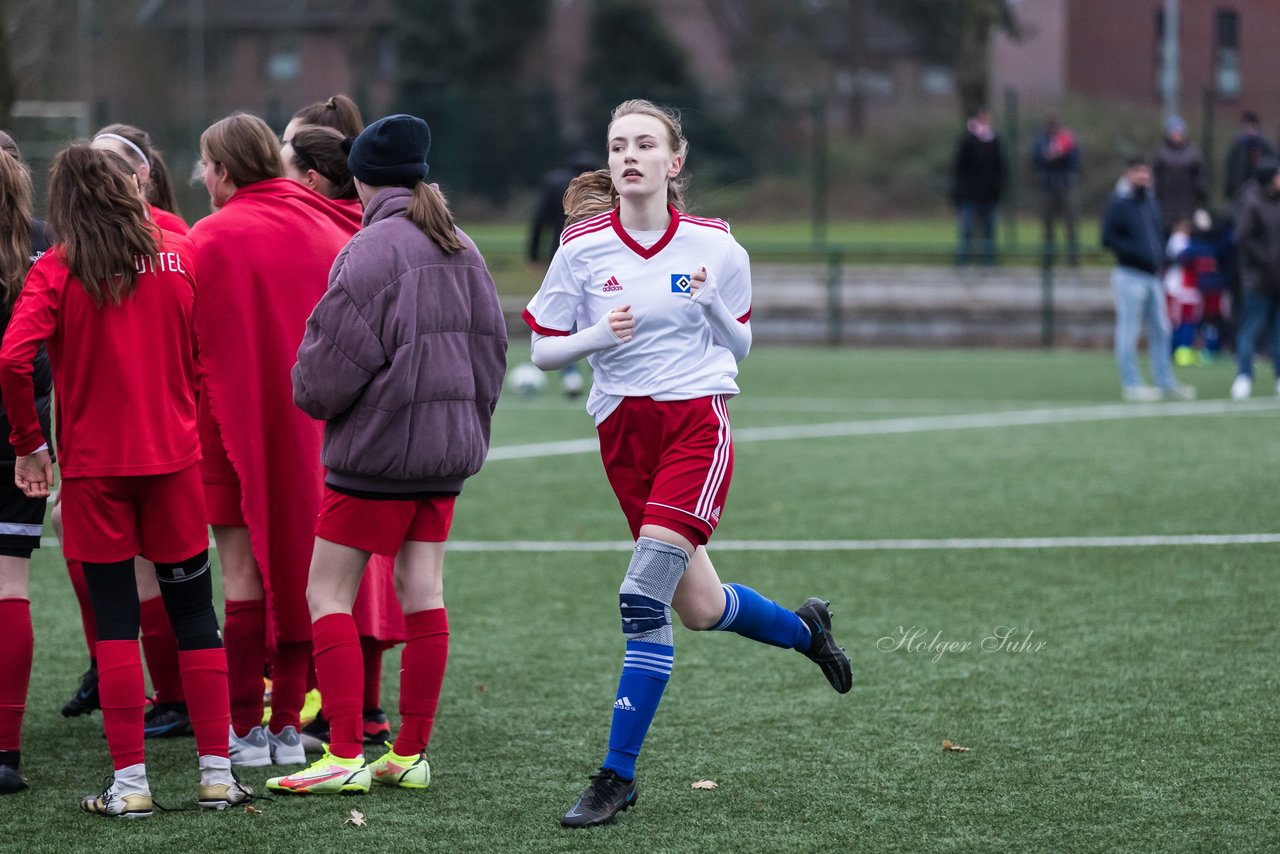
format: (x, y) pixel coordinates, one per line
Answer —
(1140, 393)
(286, 747)
(1242, 387)
(252, 751)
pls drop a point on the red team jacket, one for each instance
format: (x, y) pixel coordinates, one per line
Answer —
(124, 375)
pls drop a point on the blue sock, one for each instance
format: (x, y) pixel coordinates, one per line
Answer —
(645, 672)
(753, 616)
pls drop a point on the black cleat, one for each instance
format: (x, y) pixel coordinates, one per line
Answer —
(605, 797)
(11, 780)
(166, 720)
(377, 729)
(831, 658)
(85, 699)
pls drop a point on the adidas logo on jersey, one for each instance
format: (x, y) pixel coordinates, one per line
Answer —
(681, 283)
(612, 285)
(624, 703)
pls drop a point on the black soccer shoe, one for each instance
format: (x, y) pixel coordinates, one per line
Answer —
(11, 780)
(85, 699)
(166, 720)
(607, 795)
(831, 658)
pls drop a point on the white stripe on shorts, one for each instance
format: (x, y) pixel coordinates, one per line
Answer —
(719, 461)
(20, 530)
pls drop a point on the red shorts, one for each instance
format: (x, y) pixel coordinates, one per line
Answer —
(670, 462)
(110, 519)
(381, 526)
(221, 483)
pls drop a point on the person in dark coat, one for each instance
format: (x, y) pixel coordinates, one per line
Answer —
(1247, 151)
(1055, 156)
(977, 183)
(1258, 242)
(1179, 175)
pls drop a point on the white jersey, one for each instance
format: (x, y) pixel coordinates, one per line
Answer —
(672, 356)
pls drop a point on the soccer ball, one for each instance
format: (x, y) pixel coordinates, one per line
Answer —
(527, 379)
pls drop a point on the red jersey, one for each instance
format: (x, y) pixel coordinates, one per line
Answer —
(169, 221)
(123, 375)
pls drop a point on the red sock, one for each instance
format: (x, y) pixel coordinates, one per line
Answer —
(15, 669)
(122, 691)
(371, 650)
(339, 668)
(160, 646)
(289, 666)
(75, 570)
(422, 666)
(244, 636)
(204, 680)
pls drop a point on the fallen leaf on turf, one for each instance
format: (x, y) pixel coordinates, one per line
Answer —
(357, 818)
(954, 748)
(252, 810)
(705, 784)
(481, 688)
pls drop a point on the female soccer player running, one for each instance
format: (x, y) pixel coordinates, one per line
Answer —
(662, 302)
(404, 360)
(21, 238)
(114, 301)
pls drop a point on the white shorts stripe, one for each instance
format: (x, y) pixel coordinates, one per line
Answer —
(719, 460)
(20, 529)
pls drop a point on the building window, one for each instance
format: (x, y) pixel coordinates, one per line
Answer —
(1226, 53)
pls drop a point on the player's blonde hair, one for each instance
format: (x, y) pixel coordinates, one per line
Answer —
(670, 119)
(589, 194)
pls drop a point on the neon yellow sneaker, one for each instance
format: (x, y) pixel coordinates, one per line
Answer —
(328, 775)
(310, 707)
(407, 772)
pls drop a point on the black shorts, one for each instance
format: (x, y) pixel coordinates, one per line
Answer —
(21, 518)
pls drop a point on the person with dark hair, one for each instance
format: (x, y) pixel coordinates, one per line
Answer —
(661, 304)
(977, 184)
(1247, 150)
(114, 301)
(1055, 156)
(338, 112)
(316, 156)
(264, 257)
(1131, 229)
(137, 149)
(1258, 243)
(22, 238)
(1177, 176)
(412, 316)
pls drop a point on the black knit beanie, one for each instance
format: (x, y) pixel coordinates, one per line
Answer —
(390, 152)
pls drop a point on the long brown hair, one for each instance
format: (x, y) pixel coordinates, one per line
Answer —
(159, 186)
(99, 217)
(245, 146)
(589, 194)
(429, 211)
(339, 113)
(320, 148)
(15, 220)
(670, 118)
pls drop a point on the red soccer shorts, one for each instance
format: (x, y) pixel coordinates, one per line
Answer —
(670, 462)
(110, 519)
(221, 483)
(381, 526)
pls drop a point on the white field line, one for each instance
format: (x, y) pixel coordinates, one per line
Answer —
(950, 544)
(928, 423)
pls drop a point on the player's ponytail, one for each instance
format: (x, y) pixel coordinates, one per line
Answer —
(429, 211)
(589, 194)
(98, 215)
(138, 149)
(15, 220)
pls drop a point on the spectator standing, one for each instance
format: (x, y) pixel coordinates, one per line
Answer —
(1055, 156)
(977, 182)
(1179, 175)
(1131, 230)
(1258, 239)
(1247, 151)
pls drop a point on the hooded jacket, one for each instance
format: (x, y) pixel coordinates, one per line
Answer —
(1131, 229)
(403, 358)
(1258, 239)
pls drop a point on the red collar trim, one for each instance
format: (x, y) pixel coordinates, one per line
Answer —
(636, 247)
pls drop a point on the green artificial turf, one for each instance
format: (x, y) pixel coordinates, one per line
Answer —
(1146, 721)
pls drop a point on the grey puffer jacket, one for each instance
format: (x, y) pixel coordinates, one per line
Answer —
(403, 358)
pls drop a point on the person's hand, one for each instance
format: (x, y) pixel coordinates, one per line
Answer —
(33, 474)
(703, 287)
(622, 323)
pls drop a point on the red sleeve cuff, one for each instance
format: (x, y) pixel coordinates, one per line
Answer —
(745, 317)
(539, 328)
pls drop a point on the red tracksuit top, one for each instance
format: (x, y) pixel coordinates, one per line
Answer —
(123, 375)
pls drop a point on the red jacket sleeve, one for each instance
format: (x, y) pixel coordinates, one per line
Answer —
(35, 317)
